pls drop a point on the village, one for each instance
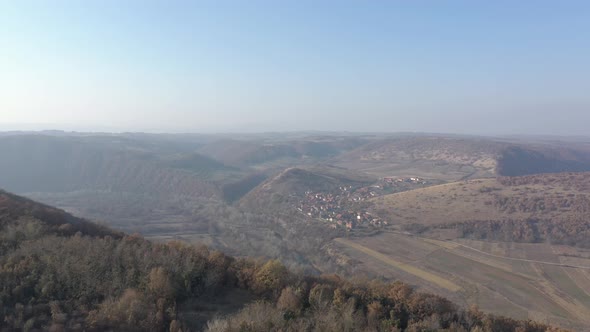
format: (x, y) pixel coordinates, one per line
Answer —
(343, 208)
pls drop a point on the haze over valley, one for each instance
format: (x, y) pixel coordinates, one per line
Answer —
(424, 209)
(229, 166)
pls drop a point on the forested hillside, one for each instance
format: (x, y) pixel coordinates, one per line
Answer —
(519, 160)
(38, 163)
(60, 273)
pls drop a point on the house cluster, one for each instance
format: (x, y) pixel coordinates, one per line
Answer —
(393, 181)
(385, 186)
(336, 208)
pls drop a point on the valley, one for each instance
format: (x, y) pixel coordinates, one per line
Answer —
(294, 166)
(60, 272)
(497, 223)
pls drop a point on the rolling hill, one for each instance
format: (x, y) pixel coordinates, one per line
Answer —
(39, 163)
(444, 158)
(15, 209)
(234, 152)
(527, 160)
(512, 245)
(133, 184)
(536, 208)
(517, 246)
(451, 158)
(294, 182)
(99, 280)
(271, 151)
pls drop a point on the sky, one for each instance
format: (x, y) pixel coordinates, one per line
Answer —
(468, 67)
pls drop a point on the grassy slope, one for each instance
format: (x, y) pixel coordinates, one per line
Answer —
(489, 199)
(500, 277)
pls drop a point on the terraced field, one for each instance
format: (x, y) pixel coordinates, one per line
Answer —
(536, 281)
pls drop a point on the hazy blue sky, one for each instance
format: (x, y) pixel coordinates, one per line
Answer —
(446, 66)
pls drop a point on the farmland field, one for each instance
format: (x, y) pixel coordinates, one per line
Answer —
(518, 280)
(408, 268)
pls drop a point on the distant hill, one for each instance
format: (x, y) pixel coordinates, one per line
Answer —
(196, 163)
(235, 190)
(442, 158)
(254, 152)
(138, 185)
(292, 183)
(15, 209)
(39, 163)
(518, 160)
(457, 158)
(235, 152)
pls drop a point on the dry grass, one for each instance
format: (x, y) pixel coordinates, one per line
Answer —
(471, 200)
(502, 286)
(429, 277)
